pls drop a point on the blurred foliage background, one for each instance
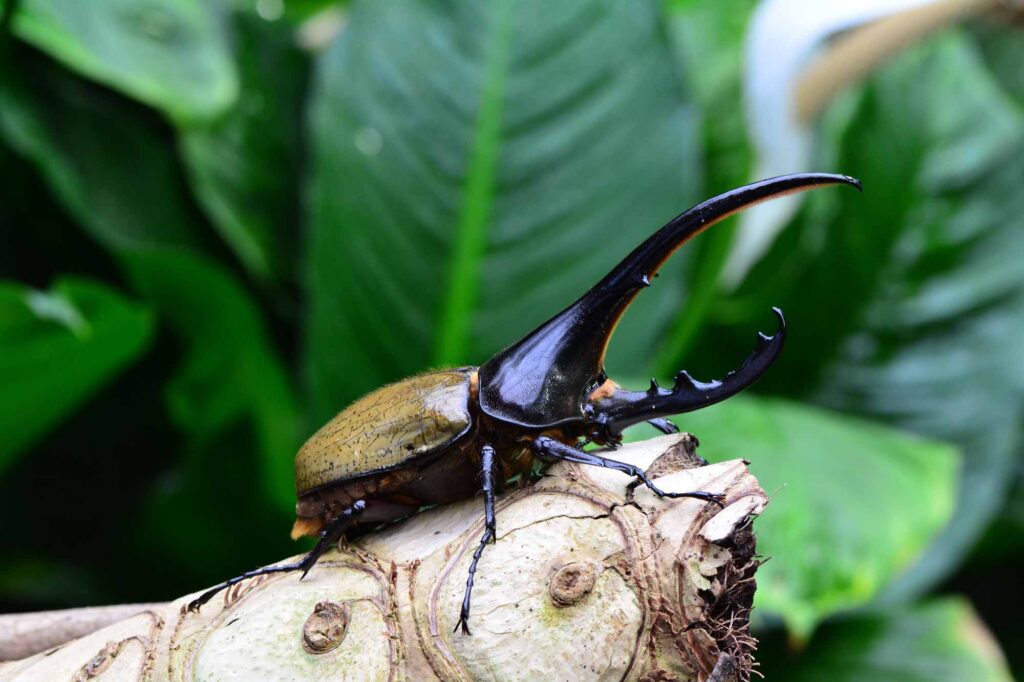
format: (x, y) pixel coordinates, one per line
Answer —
(221, 221)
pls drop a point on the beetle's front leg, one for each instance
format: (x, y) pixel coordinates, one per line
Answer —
(328, 536)
(490, 531)
(549, 447)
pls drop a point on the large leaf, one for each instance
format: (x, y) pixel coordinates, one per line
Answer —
(172, 54)
(232, 397)
(89, 145)
(110, 164)
(57, 348)
(1002, 49)
(938, 640)
(476, 167)
(709, 41)
(784, 39)
(230, 373)
(291, 11)
(853, 503)
(245, 167)
(708, 38)
(907, 303)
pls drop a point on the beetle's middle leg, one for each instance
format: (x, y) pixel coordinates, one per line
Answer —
(490, 531)
(331, 533)
(549, 447)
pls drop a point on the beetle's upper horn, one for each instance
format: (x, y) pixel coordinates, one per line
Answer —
(544, 378)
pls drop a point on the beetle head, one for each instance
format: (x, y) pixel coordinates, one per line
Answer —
(544, 379)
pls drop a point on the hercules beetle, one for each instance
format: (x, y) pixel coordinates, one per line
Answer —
(427, 439)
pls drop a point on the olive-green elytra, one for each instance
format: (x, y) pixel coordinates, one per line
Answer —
(448, 435)
(386, 429)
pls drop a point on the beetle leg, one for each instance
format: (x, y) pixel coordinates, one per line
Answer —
(490, 532)
(669, 428)
(548, 447)
(664, 425)
(328, 536)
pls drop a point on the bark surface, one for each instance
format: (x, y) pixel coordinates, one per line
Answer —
(588, 580)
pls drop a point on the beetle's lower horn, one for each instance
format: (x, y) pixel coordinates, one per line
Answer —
(623, 409)
(545, 378)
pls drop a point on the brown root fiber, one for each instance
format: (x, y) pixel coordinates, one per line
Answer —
(582, 584)
(728, 614)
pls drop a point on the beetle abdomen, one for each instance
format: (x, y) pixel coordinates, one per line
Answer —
(387, 429)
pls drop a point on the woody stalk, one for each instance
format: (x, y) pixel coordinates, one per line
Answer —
(589, 579)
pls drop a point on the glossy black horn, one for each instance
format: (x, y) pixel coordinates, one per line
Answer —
(545, 378)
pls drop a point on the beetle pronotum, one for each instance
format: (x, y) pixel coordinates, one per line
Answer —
(445, 435)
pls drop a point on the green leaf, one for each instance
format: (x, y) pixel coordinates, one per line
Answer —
(29, 580)
(475, 170)
(287, 11)
(709, 41)
(1003, 50)
(107, 163)
(210, 520)
(245, 167)
(708, 37)
(939, 640)
(57, 348)
(111, 165)
(906, 303)
(853, 503)
(231, 501)
(172, 55)
(230, 372)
